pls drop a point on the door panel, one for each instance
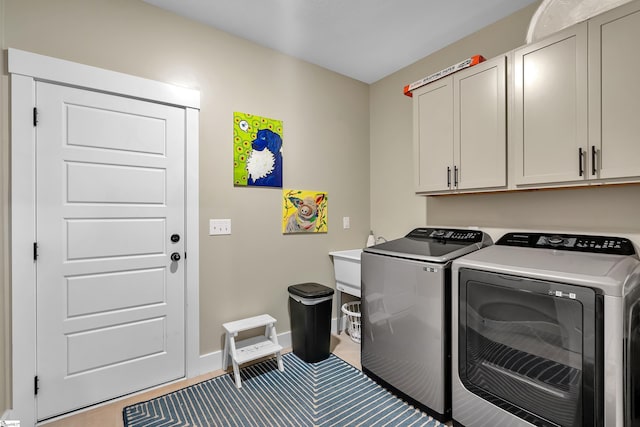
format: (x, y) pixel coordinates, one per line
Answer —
(550, 121)
(480, 125)
(92, 126)
(114, 237)
(87, 352)
(114, 184)
(433, 134)
(98, 293)
(615, 95)
(110, 192)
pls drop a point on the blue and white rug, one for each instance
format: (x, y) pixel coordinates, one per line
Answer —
(327, 393)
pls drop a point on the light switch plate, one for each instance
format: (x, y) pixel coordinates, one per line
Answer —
(346, 222)
(219, 226)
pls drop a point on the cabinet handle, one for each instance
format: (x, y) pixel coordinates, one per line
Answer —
(448, 176)
(580, 156)
(593, 160)
(455, 176)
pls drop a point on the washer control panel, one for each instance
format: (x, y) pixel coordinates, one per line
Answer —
(461, 236)
(570, 242)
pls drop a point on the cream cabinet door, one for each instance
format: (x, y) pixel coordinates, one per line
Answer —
(614, 97)
(550, 119)
(480, 126)
(433, 136)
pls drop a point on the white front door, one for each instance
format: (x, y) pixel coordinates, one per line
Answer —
(110, 203)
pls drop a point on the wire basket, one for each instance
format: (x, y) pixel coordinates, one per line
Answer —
(352, 310)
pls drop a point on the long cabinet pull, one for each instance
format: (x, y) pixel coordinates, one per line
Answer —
(455, 176)
(594, 153)
(448, 176)
(580, 156)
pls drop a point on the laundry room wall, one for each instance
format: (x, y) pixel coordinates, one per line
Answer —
(609, 210)
(395, 208)
(326, 142)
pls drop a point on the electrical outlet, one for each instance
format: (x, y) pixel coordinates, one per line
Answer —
(346, 222)
(219, 226)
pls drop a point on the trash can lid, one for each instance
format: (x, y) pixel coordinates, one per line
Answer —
(310, 290)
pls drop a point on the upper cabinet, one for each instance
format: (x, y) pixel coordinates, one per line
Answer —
(550, 108)
(614, 93)
(574, 116)
(577, 103)
(460, 130)
(433, 135)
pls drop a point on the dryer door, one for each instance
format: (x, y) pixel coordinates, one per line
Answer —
(532, 347)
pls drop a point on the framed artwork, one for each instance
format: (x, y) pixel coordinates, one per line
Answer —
(257, 151)
(304, 212)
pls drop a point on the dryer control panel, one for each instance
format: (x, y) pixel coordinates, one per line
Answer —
(570, 242)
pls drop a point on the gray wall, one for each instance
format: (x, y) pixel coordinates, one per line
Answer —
(326, 144)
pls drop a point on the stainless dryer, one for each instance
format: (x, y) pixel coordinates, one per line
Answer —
(406, 314)
(544, 331)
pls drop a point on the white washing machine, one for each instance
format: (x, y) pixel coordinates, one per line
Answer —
(545, 332)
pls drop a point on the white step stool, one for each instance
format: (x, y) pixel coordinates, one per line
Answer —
(251, 348)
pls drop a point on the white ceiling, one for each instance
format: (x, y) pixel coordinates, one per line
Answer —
(363, 39)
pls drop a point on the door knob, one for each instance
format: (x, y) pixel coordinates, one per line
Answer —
(175, 256)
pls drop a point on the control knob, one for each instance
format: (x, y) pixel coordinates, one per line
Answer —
(555, 240)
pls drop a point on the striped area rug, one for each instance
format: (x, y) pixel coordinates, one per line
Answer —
(327, 393)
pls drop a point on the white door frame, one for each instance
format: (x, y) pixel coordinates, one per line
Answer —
(25, 69)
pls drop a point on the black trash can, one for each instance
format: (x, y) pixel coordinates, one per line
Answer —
(310, 309)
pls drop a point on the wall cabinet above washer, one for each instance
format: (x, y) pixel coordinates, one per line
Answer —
(614, 93)
(577, 104)
(550, 110)
(460, 131)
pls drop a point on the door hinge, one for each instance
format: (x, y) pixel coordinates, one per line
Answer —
(36, 385)
(35, 251)
(35, 116)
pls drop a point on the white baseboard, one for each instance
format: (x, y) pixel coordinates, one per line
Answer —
(213, 361)
(9, 419)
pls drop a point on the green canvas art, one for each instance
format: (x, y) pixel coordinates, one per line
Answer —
(257, 151)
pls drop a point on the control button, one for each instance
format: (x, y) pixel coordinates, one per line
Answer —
(555, 240)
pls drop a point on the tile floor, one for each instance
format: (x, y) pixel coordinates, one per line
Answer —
(110, 414)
